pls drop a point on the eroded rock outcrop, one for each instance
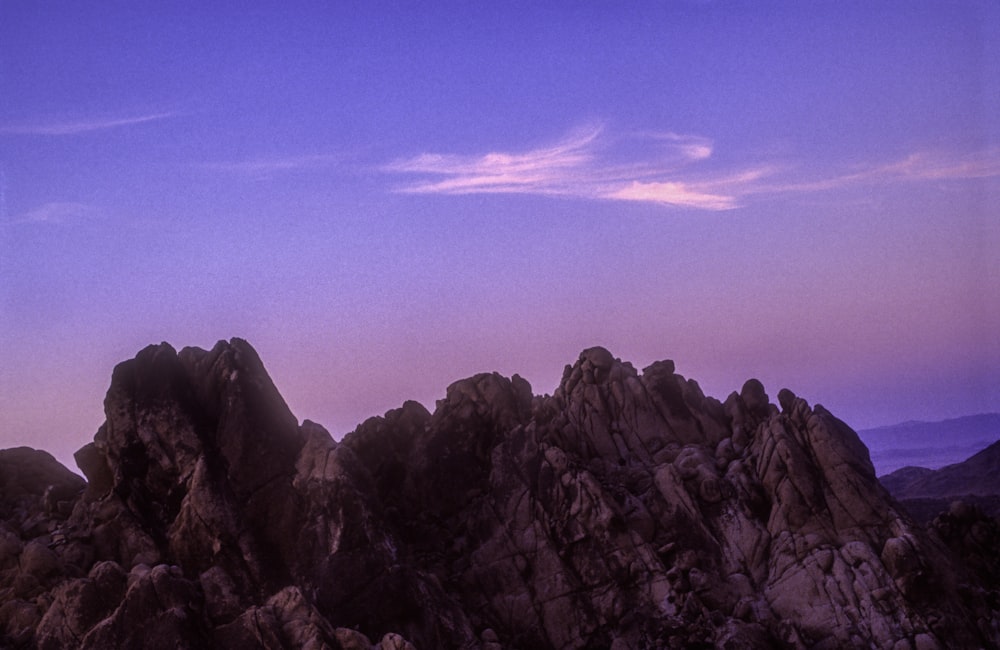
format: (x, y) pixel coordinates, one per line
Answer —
(626, 510)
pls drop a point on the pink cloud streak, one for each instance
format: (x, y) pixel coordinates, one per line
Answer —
(674, 172)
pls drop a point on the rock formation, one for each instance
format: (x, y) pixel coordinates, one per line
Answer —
(626, 510)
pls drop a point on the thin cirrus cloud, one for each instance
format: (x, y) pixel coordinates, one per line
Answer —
(663, 168)
(944, 166)
(584, 164)
(74, 127)
(914, 167)
(674, 193)
(59, 212)
(267, 166)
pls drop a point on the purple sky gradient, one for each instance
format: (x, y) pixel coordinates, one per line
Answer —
(383, 200)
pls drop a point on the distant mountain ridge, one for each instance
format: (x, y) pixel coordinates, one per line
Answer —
(926, 492)
(978, 475)
(930, 444)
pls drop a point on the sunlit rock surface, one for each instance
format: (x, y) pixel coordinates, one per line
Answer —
(627, 511)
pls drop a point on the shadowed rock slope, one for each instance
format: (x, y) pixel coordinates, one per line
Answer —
(627, 510)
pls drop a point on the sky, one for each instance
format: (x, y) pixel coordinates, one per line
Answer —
(384, 198)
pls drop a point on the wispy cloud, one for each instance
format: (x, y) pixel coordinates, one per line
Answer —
(674, 193)
(582, 165)
(547, 170)
(76, 126)
(658, 167)
(689, 147)
(914, 167)
(58, 212)
(942, 165)
(267, 166)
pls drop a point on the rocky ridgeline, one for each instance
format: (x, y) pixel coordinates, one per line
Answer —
(627, 510)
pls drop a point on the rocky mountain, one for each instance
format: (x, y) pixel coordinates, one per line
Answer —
(926, 492)
(626, 510)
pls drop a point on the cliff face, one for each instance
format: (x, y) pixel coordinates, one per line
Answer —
(627, 510)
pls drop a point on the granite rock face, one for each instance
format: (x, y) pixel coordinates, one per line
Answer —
(626, 510)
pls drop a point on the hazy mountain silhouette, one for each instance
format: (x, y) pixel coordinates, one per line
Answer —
(926, 492)
(930, 444)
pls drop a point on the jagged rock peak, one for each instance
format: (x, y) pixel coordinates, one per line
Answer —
(172, 408)
(627, 511)
(595, 365)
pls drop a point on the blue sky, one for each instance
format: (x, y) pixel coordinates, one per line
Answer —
(386, 197)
